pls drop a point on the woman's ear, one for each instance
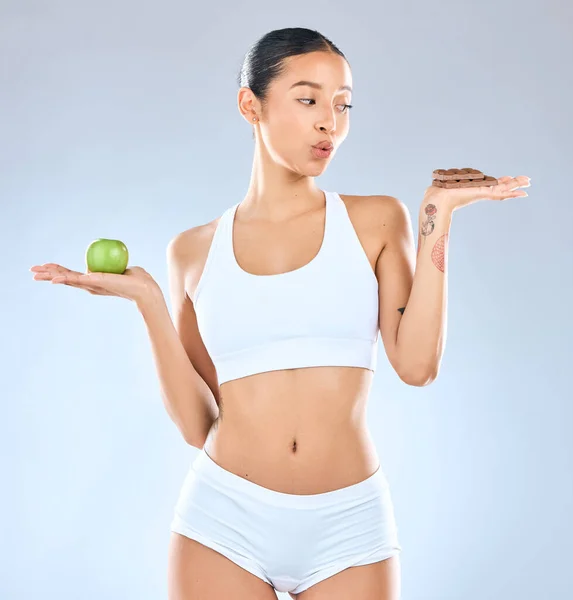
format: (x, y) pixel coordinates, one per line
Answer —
(248, 105)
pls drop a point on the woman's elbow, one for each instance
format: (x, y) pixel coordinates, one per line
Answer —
(419, 377)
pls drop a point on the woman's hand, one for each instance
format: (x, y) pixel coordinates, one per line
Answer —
(453, 198)
(135, 283)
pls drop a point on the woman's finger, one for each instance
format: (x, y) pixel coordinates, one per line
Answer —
(81, 281)
(94, 281)
(47, 276)
(48, 267)
(87, 288)
(43, 272)
(72, 277)
(44, 267)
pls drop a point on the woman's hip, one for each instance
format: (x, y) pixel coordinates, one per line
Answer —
(219, 503)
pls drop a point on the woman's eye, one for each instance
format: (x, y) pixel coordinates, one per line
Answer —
(346, 108)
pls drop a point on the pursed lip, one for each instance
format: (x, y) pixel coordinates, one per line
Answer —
(324, 145)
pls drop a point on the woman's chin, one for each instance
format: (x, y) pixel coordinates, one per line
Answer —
(313, 168)
(317, 167)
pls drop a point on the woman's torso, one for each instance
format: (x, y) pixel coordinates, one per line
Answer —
(298, 431)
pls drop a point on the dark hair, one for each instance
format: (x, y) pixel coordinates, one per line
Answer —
(264, 60)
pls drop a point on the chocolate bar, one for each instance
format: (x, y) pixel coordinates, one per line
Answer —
(458, 178)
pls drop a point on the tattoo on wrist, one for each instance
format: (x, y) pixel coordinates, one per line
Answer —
(428, 225)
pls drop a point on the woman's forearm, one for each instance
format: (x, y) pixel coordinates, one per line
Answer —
(188, 400)
(422, 329)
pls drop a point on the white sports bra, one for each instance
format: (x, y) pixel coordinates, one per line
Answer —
(323, 314)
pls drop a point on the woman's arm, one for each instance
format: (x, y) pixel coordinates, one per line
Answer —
(415, 341)
(413, 291)
(188, 400)
(422, 330)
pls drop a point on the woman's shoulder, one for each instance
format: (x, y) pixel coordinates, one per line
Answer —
(191, 247)
(189, 239)
(371, 207)
(368, 200)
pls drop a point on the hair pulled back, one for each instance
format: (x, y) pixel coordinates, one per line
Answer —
(264, 60)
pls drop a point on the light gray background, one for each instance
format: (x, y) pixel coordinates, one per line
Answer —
(120, 120)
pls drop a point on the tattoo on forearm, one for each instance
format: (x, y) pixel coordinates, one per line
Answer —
(402, 309)
(439, 252)
(428, 225)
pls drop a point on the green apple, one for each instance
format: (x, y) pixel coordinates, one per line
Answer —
(107, 256)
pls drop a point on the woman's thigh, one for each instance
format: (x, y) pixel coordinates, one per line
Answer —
(376, 581)
(197, 572)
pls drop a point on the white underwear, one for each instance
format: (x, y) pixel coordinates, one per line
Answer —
(290, 541)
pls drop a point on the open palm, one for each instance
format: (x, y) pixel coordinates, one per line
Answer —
(507, 187)
(134, 284)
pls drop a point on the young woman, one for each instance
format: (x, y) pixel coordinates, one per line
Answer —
(277, 306)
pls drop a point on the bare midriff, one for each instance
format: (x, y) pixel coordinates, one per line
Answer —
(296, 431)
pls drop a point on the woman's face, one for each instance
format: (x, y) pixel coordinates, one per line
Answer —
(299, 115)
